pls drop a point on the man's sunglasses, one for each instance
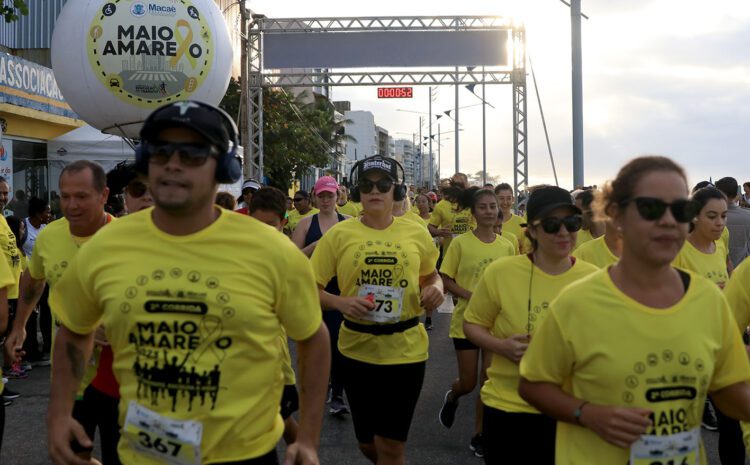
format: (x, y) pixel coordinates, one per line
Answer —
(299, 199)
(191, 154)
(136, 189)
(383, 185)
(572, 223)
(249, 190)
(651, 209)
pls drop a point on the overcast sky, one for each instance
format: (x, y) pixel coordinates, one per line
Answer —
(668, 77)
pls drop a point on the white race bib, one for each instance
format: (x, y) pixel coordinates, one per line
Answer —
(674, 449)
(173, 441)
(388, 302)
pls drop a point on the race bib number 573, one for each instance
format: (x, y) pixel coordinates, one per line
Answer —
(388, 302)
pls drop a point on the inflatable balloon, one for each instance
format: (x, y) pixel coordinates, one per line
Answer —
(117, 60)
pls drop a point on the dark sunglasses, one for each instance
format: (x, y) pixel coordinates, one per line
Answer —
(136, 189)
(383, 185)
(191, 154)
(572, 223)
(249, 190)
(651, 209)
(299, 199)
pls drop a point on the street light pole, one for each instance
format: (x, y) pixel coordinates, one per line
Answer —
(577, 80)
(432, 177)
(484, 132)
(421, 155)
(455, 119)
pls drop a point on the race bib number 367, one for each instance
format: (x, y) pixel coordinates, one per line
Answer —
(171, 441)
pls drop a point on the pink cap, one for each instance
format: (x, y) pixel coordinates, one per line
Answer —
(326, 184)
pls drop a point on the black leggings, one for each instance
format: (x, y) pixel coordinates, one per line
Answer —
(333, 320)
(731, 445)
(516, 438)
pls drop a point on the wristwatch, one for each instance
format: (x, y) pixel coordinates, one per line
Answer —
(578, 412)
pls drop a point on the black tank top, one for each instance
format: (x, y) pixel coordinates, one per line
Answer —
(313, 234)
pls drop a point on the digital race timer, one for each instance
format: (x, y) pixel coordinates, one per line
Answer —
(395, 92)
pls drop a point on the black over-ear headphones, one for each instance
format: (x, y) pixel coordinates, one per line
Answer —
(399, 190)
(228, 166)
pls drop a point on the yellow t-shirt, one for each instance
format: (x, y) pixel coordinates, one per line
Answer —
(286, 368)
(445, 216)
(294, 217)
(394, 257)
(584, 236)
(737, 292)
(12, 255)
(513, 226)
(609, 349)
(709, 265)
(349, 208)
(725, 237)
(415, 218)
(503, 304)
(194, 322)
(465, 262)
(6, 280)
(596, 252)
(510, 237)
(53, 252)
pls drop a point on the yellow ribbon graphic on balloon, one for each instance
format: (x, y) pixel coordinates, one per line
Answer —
(184, 43)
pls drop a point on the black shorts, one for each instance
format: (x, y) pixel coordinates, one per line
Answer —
(463, 344)
(289, 401)
(382, 398)
(511, 437)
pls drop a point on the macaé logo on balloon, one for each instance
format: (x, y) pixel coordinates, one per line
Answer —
(153, 54)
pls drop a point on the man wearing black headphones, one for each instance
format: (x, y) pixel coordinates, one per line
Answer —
(192, 310)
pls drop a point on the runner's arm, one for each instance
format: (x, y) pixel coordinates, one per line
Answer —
(313, 365)
(734, 400)
(299, 234)
(432, 294)
(355, 307)
(30, 291)
(70, 353)
(620, 426)
(452, 286)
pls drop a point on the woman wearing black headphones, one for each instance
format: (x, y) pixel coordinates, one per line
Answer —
(386, 271)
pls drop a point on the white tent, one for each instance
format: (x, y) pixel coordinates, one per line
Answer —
(85, 143)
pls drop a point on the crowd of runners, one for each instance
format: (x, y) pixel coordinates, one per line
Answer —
(601, 326)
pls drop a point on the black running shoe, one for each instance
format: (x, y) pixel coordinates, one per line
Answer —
(710, 422)
(338, 406)
(477, 445)
(10, 395)
(428, 324)
(447, 413)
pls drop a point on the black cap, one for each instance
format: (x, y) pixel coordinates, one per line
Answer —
(207, 120)
(378, 163)
(545, 199)
(303, 194)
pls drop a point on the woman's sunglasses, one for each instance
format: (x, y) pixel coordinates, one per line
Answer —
(383, 184)
(651, 209)
(552, 225)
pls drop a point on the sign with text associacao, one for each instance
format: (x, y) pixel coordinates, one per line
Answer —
(30, 85)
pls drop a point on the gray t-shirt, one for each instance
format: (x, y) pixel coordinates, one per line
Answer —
(738, 224)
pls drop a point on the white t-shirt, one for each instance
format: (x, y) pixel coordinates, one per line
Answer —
(31, 233)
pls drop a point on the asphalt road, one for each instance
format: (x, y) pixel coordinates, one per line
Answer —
(25, 440)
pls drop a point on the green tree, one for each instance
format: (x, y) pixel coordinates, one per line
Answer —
(11, 12)
(296, 136)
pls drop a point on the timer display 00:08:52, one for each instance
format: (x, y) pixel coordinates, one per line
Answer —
(395, 92)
